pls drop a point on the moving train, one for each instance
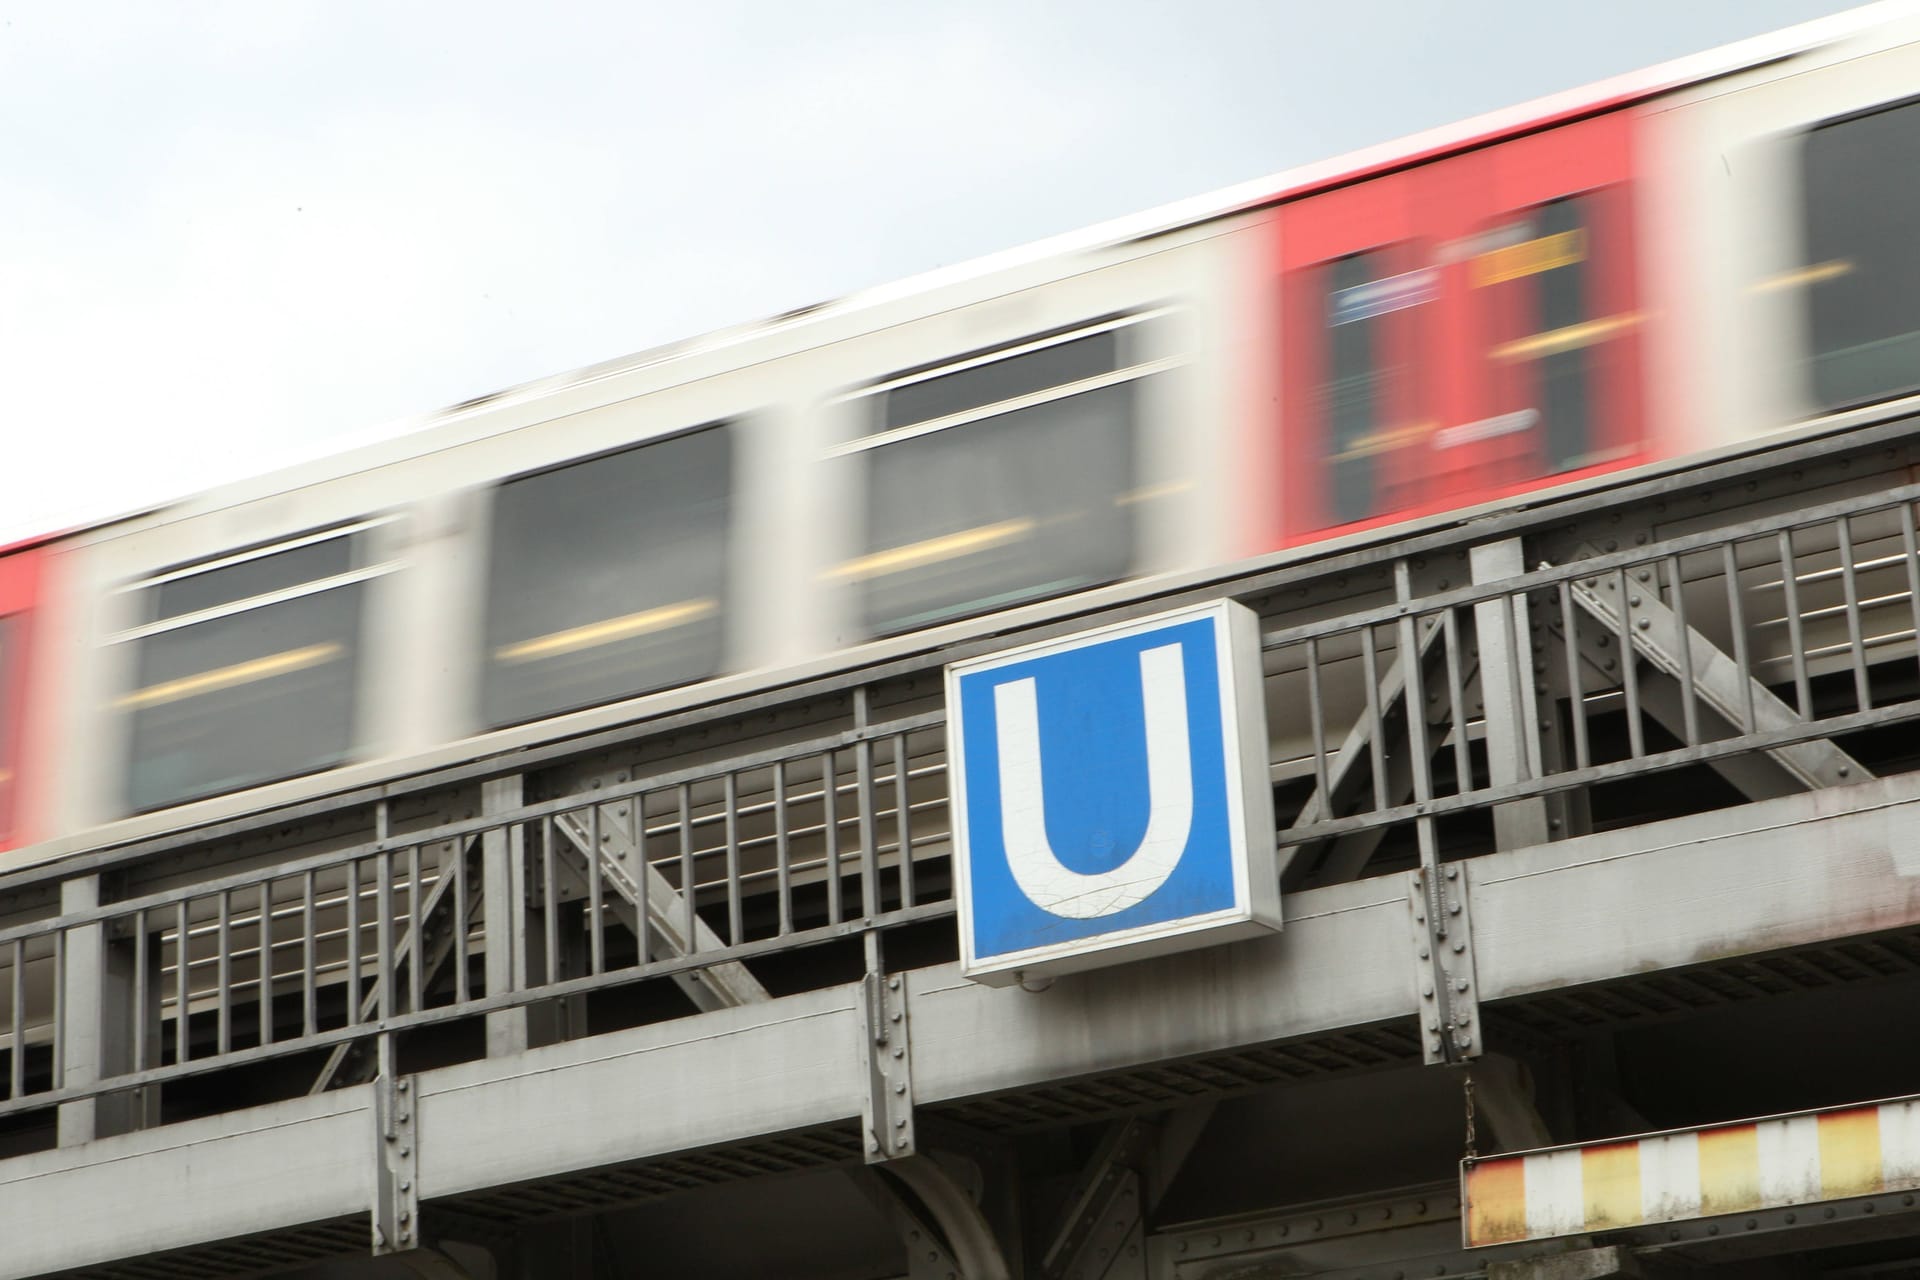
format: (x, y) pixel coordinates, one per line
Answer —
(1695, 259)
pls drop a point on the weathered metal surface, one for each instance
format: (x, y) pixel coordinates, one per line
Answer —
(294, 1162)
(1780, 873)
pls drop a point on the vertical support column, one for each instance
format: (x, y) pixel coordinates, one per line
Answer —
(1507, 693)
(396, 1162)
(887, 1053)
(503, 867)
(95, 1031)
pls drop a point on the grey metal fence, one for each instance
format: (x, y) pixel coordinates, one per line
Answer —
(1752, 651)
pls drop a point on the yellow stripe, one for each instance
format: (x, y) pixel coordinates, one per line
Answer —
(1800, 277)
(946, 547)
(587, 636)
(1383, 440)
(1153, 491)
(1496, 1201)
(1572, 336)
(1729, 1169)
(274, 664)
(1610, 1175)
(1850, 1152)
(6, 776)
(1529, 258)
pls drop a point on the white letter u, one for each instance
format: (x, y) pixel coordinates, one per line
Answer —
(1051, 885)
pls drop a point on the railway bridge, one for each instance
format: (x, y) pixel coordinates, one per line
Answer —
(1594, 821)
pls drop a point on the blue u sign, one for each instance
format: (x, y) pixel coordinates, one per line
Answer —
(1110, 795)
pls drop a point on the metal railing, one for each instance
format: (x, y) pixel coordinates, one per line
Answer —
(1751, 650)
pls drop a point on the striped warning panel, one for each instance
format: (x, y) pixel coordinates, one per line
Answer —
(1695, 1173)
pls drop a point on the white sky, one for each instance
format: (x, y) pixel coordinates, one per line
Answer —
(233, 232)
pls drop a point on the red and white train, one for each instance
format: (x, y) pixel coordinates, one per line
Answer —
(1694, 259)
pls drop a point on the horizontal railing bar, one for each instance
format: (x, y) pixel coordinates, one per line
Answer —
(482, 1005)
(470, 827)
(1540, 579)
(1654, 762)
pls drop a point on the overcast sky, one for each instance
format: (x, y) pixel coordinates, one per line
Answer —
(235, 232)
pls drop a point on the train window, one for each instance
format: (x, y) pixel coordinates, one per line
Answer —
(1003, 477)
(1861, 278)
(1548, 341)
(606, 577)
(1366, 396)
(245, 669)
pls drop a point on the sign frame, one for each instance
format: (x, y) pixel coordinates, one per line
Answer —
(1255, 909)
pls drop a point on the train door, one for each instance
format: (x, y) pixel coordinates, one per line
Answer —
(1459, 331)
(1356, 335)
(1539, 364)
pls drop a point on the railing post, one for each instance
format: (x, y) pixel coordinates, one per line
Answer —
(97, 1020)
(504, 872)
(1508, 696)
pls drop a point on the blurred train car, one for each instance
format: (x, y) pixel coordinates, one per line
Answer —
(1694, 259)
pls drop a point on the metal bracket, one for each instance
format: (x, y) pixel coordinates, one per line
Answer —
(396, 1189)
(1443, 964)
(1102, 1235)
(888, 1113)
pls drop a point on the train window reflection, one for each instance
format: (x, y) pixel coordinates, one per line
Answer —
(246, 670)
(1001, 478)
(1861, 278)
(1548, 343)
(606, 578)
(1368, 307)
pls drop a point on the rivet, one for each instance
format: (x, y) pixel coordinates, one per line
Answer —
(894, 983)
(1453, 873)
(901, 1123)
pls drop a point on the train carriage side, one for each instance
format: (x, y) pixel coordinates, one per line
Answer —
(870, 482)
(1460, 331)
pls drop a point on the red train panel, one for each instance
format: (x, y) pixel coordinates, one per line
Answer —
(20, 572)
(1460, 332)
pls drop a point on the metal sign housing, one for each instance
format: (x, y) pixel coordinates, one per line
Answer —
(1110, 795)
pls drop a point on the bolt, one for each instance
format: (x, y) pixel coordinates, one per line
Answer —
(894, 983)
(901, 1123)
(403, 1085)
(901, 1087)
(1633, 602)
(406, 1151)
(1644, 623)
(1426, 991)
(1453, 873)
(1458, 947)
(1461, 985)
(1423, 953)
(405, 1185)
